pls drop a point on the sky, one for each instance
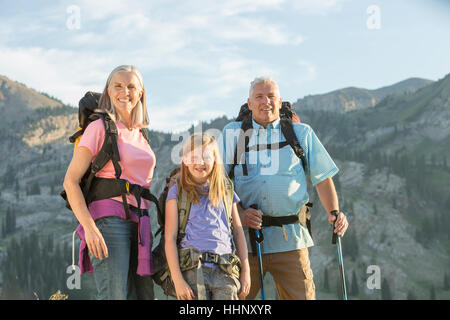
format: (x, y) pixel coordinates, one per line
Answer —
(198, 57)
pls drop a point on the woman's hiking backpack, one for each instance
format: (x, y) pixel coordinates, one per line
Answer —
(189, 258)
(95, 188)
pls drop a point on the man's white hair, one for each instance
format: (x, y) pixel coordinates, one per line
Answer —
(261, 80)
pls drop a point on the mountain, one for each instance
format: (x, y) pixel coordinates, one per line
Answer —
(392, 146)
(393, 182)
(352, 98)
(13, 93)
(20, 102)
(418, 121)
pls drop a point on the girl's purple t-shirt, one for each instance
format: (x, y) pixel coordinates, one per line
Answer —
(207, 228)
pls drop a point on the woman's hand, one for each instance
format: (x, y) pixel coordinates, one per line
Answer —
(183, 290)
(95, 242)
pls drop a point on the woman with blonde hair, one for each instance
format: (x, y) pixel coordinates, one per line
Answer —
(212, 234)
(111, 229)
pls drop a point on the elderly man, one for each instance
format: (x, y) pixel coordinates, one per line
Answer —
(275, 181)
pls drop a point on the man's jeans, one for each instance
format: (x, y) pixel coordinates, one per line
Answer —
(115, 276)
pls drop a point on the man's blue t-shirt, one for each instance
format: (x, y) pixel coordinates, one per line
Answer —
(276, 182)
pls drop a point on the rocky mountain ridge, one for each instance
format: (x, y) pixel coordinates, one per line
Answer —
(372, 144)
(353, 98)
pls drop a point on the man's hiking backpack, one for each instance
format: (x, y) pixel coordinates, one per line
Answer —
(95, 188)
(287, 118)
(189, 258)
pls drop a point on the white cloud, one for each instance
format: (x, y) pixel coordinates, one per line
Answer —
(308, 71)
(254, 30)
(235, 7)
(182, 114)
(316, 7)
(56, 72)
(205, 43)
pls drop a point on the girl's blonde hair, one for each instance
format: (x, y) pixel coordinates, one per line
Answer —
(217, 186)
(139, 116)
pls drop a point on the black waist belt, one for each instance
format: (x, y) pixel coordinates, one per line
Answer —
(105, 188)
(270, 221)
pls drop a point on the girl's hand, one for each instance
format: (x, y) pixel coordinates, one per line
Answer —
(244, 279)
(183, 290)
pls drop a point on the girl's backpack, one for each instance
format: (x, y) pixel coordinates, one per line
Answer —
(188, 258)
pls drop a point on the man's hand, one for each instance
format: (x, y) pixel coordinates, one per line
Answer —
(251, 218)
(341, 223)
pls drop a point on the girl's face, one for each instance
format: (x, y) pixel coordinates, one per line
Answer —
(200, 163)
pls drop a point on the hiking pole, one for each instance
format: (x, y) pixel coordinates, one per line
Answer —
(337, 239)
(259, 237)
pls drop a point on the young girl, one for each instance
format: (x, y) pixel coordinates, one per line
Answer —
(203, 178)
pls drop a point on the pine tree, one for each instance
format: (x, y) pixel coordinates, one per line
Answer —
(337, 184)
(326, 283)
(4, 229)
(432, 293)
(411, 296)
(10, 222)
(17, 189)
(385, 290)
(355, 288)
(446, 282)
(34, 189)
(339, 291)
(351, 245)
(427, 230)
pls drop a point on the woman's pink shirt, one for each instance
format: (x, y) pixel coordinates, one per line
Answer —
(137, 159)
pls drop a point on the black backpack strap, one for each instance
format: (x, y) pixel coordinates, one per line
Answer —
(271, 146)
(242, 147)
(102, 158)
(111, 136)
(112, 152)
(288, 131)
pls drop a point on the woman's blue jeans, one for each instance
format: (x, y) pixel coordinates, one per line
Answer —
(115, 276)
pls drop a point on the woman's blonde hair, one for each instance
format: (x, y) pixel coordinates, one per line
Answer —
(139, 116)
(217, 186)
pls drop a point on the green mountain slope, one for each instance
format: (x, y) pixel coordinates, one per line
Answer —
(392, 149)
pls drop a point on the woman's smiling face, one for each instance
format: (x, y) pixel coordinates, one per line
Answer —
(125, 91)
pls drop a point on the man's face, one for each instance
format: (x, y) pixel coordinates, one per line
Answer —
(265, 103)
